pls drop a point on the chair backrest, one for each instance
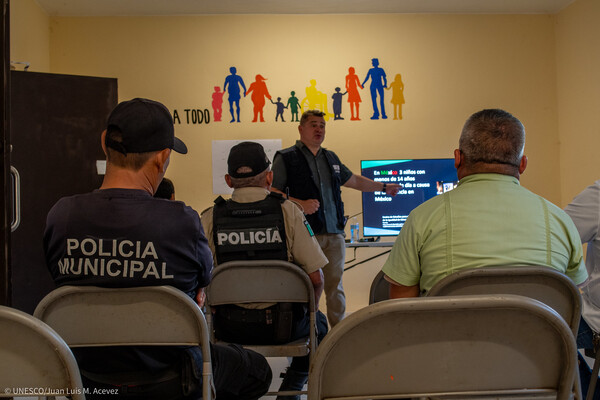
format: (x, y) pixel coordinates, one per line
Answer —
(467, 346)
(380, 289)
(545, 284)
(264, 281)
(87, 316)
(259, 281)
(34, 356)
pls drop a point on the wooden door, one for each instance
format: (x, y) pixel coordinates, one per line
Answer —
(55, 128)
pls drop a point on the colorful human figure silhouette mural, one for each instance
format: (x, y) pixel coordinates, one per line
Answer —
(217, 104)
(232, 85)
(352, 85)
(378, 82)
(337, 103)
(315, 100)
(280, 108)
(294, 104)
(397, 95)
(259, 91)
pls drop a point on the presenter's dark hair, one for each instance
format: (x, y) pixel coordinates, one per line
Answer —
(310, 113)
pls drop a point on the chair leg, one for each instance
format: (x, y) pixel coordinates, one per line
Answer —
(594, 377)
(577, 386)
(293, 382)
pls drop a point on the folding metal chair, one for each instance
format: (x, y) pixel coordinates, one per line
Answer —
(595, 354)
(265, 281)
(483, 347)
(545, 284)
(34, 359)
(380, 289)
(88, 316)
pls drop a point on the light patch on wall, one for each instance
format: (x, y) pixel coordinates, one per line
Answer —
(220, 152)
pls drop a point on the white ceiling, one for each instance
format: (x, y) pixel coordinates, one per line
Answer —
(204, 7)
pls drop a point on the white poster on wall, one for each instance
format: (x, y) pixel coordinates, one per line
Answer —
(220, 152)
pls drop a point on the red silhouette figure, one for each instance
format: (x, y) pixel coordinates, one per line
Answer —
(217, 103)
(259, 91)
(352, 85)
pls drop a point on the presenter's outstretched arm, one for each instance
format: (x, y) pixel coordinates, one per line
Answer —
(364, 184)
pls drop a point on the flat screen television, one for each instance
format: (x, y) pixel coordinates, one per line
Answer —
(421, 179)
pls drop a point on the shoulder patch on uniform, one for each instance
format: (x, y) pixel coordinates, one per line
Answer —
(308, 228)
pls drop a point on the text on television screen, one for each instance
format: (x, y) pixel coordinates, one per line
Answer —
(421, 179)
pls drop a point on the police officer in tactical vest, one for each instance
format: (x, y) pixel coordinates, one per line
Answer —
(256, 225)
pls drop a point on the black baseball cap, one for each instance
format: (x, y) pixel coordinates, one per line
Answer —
(247, 154)
(145, 125)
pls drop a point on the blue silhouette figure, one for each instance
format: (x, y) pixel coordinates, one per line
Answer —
(378, 82)
(337, 103)
(232, 86)
(280, 108)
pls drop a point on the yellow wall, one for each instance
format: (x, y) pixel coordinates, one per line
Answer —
(539, 67)
(578, 67)
(451, 67)
(29, 35)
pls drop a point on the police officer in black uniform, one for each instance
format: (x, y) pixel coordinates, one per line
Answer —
(121, 236)
(255, 225)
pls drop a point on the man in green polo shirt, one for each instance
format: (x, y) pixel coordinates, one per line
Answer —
(488, 220)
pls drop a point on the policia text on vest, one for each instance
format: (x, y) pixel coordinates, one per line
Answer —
(113, 257)
(249, 231)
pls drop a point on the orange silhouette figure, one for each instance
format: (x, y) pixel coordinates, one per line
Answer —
(217, 103)
(259, 91)
(352, 85)
(397, 95)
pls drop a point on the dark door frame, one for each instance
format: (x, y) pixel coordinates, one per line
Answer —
(5, 181)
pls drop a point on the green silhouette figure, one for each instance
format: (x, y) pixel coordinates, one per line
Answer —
(294, 104)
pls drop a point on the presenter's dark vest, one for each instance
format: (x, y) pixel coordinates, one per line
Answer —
(249, 231)
(301, 184)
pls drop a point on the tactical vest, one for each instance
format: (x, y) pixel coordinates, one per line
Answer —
(301, 185)
(249, 231)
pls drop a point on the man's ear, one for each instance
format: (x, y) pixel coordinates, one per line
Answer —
(162, 160)
(522, 165)
(228, 180)
(457, 158)
(269, 179)
(103, 141)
